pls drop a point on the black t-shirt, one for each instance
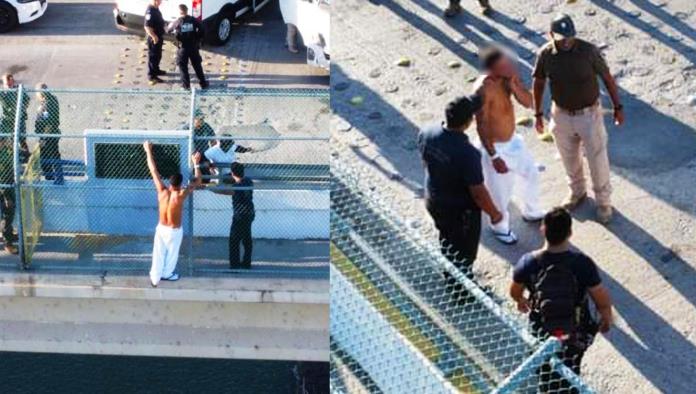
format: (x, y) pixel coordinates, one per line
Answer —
(243, 200)
(451, 164)
(583, 267)
(154, 20)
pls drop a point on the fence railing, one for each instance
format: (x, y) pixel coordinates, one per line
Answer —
(85, 199)
(397, 324)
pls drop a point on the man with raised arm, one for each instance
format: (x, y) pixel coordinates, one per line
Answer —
(168, 234)
(506, 159)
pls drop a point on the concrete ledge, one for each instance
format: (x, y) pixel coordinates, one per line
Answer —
(148, 340)
(200, 289)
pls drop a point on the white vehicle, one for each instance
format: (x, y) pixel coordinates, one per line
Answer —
(216, 15)
(313, 21)
(16, 12)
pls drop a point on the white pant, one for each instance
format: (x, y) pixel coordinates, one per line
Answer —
(520, 165)
(165, 252)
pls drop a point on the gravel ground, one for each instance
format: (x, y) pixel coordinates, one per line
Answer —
(647, 254)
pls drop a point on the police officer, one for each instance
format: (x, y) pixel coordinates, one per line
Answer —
(189, 33)
(154, 29)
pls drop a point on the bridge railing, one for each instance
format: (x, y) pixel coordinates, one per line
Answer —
(399, 325)
(85, 199)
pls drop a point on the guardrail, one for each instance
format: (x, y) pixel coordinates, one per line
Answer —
(85, 199)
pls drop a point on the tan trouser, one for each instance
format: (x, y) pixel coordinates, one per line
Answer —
(587, 129)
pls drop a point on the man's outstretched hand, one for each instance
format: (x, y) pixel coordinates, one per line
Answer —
(147, 145)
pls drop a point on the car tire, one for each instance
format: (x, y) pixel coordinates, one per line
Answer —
(220, 30)
(8, 17)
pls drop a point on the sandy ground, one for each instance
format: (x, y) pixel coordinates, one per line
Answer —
(647, 254)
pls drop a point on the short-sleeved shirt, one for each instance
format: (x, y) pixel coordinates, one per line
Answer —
(451, 164)
(154, 20)
(243, 200)
(582, 266)
(572, 73)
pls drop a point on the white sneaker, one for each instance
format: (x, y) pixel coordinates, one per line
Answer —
(508, 238)
(173, 277)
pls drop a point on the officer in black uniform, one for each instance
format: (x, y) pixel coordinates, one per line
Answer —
(189, 33)
(154, 29)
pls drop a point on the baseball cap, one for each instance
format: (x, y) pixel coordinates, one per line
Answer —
(563, 25)
(462, 109)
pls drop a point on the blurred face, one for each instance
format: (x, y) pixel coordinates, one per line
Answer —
(9, 82)
(156, 3)
(504, 67)
(198, 122)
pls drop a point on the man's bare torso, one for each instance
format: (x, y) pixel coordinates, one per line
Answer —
(498, 112)
(171, 204)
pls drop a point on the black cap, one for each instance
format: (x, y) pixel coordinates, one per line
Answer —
(563, 25)
(461, 110)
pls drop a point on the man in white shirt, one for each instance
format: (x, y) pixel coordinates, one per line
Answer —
(222, 154)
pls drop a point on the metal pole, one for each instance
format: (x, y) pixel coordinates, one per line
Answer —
(190, 168)
(528, 367)
(17, 177)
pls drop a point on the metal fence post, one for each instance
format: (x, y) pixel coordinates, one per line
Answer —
(17, 177)
(192, 115)
(528, 367)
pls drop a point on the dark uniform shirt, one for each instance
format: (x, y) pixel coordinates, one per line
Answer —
(154, 20)
(572, 74)
(8, 102)
(48, 116)
(6, 165)
(188, 31)
(243, 200)
(452, 164)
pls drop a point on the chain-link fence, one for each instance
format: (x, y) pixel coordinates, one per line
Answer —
(88, 201)
(405, 320)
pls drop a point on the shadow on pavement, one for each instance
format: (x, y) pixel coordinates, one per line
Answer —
(658, 346)
(676, 271)
(688, 51)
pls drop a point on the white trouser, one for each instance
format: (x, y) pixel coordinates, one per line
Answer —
(165, 252)
(521, 165)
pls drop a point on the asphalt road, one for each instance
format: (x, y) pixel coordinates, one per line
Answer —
(76, 45)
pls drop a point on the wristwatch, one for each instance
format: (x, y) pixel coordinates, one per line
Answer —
(538, 114)
(618, 107)
(495, 156)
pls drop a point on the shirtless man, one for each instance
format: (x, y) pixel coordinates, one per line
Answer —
(504, 153)
(168, 234)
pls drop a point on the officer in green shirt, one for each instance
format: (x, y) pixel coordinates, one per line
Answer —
(7, 194)
(8, 103)
(48, 122)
